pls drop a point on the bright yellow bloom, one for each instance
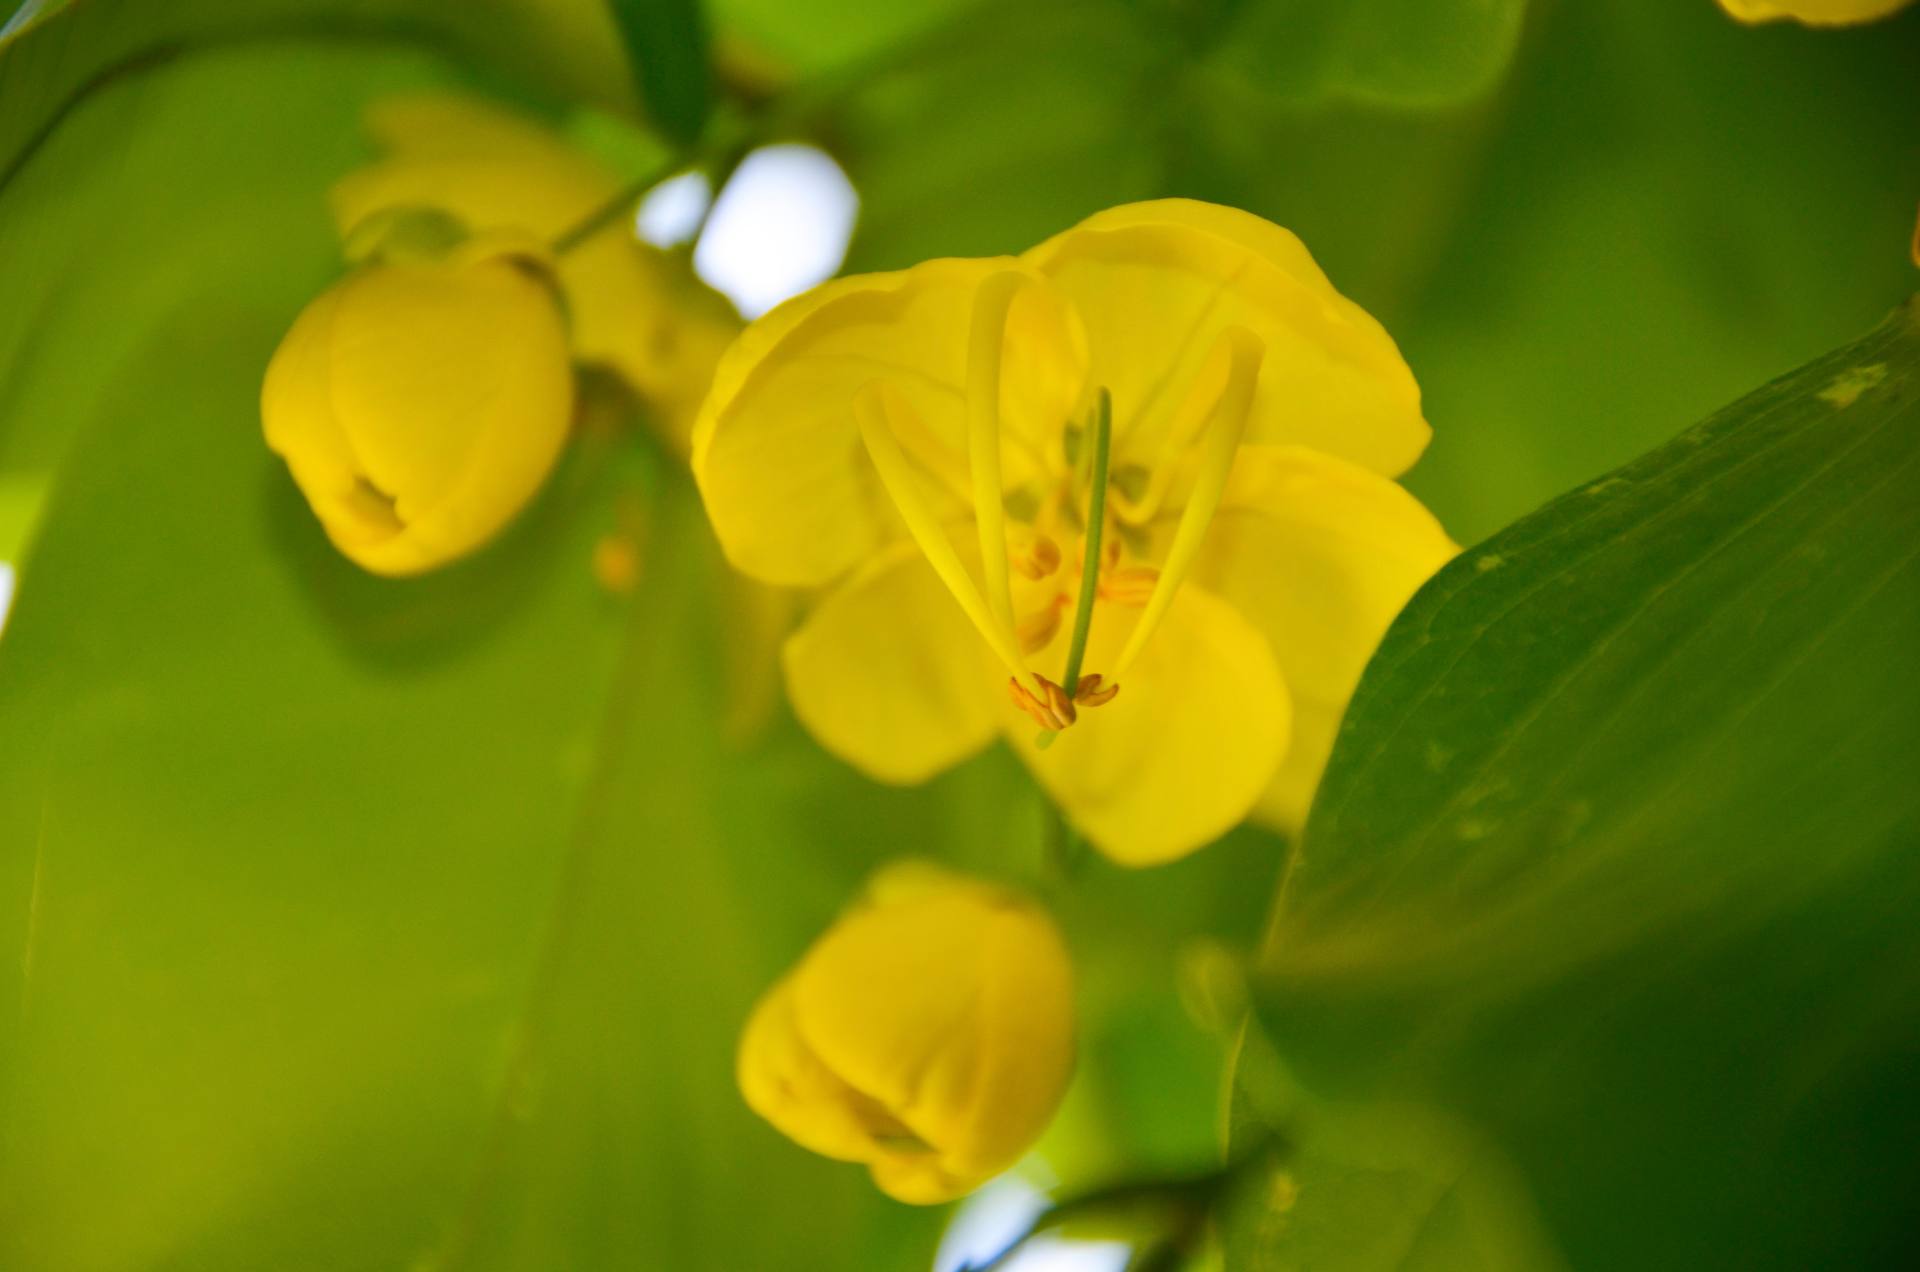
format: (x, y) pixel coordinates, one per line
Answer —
(633, 308)
(928, 1035)
(1813, 12)
(917, 439)
(420, 402)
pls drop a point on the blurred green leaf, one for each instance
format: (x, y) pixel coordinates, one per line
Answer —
(1020, 119)
(1669, 208)
(666, 41)
(809, 37)
(359, 923)
(1380, 1188)
(1617, 858)
(1409, 53)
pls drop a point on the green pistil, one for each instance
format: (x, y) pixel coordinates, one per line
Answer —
(1090, 563)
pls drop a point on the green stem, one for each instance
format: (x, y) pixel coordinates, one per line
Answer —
(1090, 562)
(616, 208)
(1096, 524)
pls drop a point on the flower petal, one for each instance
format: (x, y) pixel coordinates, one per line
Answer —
(888, 674)
(777, 452)
(785, 1082)
(1813, 12)
(1181, 755)
(1320, 554)
(631, 307)
(453, 391)
(951, 1011)
(1156, 283)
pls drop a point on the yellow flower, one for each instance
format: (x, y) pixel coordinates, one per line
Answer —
(914, 439)
(420, 402)
(928, 1035)
(1813, 12)
(634, 308)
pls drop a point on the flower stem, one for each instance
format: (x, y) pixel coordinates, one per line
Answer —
(1090, 562)
(615, 209)
(717, 159)
(1096, 524)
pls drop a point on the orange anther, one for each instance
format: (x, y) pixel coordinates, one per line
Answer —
(1054, 714)
(1088, 692)
(1132, 586)
(1039, 561)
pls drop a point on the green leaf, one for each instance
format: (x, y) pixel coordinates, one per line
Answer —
(812, 36)
(1667, 208)
(1617, 859)
(356, 923)
(1403, 53)
(667, 43)
(1368, 1188)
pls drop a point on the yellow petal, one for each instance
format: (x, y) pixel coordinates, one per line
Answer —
(952, 1009)
(1813, 12)
(888, 674)
(1156, 283)
(777, 451)
(420, 406)
(1319, 554)
(1181, 755)
(785, 1082)
(632, 307)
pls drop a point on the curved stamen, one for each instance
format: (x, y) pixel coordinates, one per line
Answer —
(1152, 481)
(1244, 352)
(991, 304)
(873, 408)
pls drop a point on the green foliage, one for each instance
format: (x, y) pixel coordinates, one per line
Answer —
(364, 924)
(1618, 855)
(359, 924)
(667, 42)
(1387, 52)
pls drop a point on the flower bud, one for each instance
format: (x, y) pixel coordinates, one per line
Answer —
(421, 402)
(1813, 12)
(928, 1034)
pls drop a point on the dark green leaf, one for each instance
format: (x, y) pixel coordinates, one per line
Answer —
(667, 44)
(1618, 856)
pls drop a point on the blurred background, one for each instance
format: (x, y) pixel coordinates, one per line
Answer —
(366, 924)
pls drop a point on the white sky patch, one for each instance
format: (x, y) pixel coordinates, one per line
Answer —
(779, 227)
(21, 16)
(988, 1221)
(6, 594)
(671, 212)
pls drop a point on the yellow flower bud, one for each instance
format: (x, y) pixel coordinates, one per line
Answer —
(928, 1035)
(1813, 12)
(420, 403)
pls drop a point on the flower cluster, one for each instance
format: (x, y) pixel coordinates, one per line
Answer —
(421, 401)
(1126, 500)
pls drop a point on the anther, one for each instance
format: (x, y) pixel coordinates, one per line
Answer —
(1037, 630)
(1132, 586)
(1088, 693)
(1040, 560)
(1055, 714)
